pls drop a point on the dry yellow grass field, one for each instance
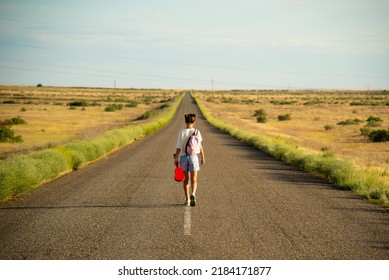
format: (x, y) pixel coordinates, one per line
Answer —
(310, 111)
(50, 121)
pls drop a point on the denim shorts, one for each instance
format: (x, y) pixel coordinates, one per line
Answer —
(190, 163)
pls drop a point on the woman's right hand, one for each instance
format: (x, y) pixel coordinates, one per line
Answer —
(175, 159)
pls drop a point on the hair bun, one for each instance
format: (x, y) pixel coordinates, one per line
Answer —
(190, 118)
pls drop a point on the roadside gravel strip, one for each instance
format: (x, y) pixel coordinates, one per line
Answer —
(249, 206)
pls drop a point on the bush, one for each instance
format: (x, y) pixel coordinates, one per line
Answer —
(15, 121)
(229, 100)
(147, 114)
(113, 107)
(283, 102)
(23, 172)
(132, 103)
(350, 122)
(285, 117)
(81, 103)
(380, 135)
(49, 163)
(365, 131)
(259, 112)
(325, 148)
(163, 106)
(7, 135)
(261, 118)
(374, 121)
(313, 102)
(148, 100)
(329, 126)
(261, 115)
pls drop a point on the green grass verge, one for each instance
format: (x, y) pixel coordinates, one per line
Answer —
(340, 172)
(27, 171)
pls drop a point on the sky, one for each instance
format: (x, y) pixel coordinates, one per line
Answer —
(196, 44)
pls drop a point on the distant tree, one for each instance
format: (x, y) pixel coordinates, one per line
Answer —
(39, 85)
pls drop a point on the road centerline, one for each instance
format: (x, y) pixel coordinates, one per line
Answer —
(187, 221)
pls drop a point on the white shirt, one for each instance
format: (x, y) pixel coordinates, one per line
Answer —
(183, 137)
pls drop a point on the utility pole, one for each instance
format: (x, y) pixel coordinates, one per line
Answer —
(212, 83)
(114, 86)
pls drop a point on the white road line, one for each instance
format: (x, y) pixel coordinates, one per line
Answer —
(187, 221)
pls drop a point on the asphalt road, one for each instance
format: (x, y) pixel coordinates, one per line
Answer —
(249, 206)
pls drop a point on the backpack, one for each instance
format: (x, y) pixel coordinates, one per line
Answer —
(193, 145)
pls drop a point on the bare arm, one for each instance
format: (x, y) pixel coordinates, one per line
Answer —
(176, 155)
(202, 155)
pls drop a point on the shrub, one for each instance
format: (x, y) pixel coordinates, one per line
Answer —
(148, 100)
(313, 102)
(261, 115)
(350, 122)
(23, 172)
(375, 194)
(229, 100)
(113, 107)
(259, 112)
(49, 163)
(163, 106)
(81, 103)
(368, 103)
(374, 121)
(329, 126)
(15, 121)
(380, 135)
(84, 151)
(132, 103)
(262, 118)
(283, 102)
(285, 117)
(7, 135)
(147, 114)
(10, 102)
(365, 131)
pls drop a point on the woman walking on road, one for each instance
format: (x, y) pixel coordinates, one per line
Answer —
(189, 162)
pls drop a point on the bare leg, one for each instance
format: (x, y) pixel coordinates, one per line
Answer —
(186, 185)
(193, 181)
